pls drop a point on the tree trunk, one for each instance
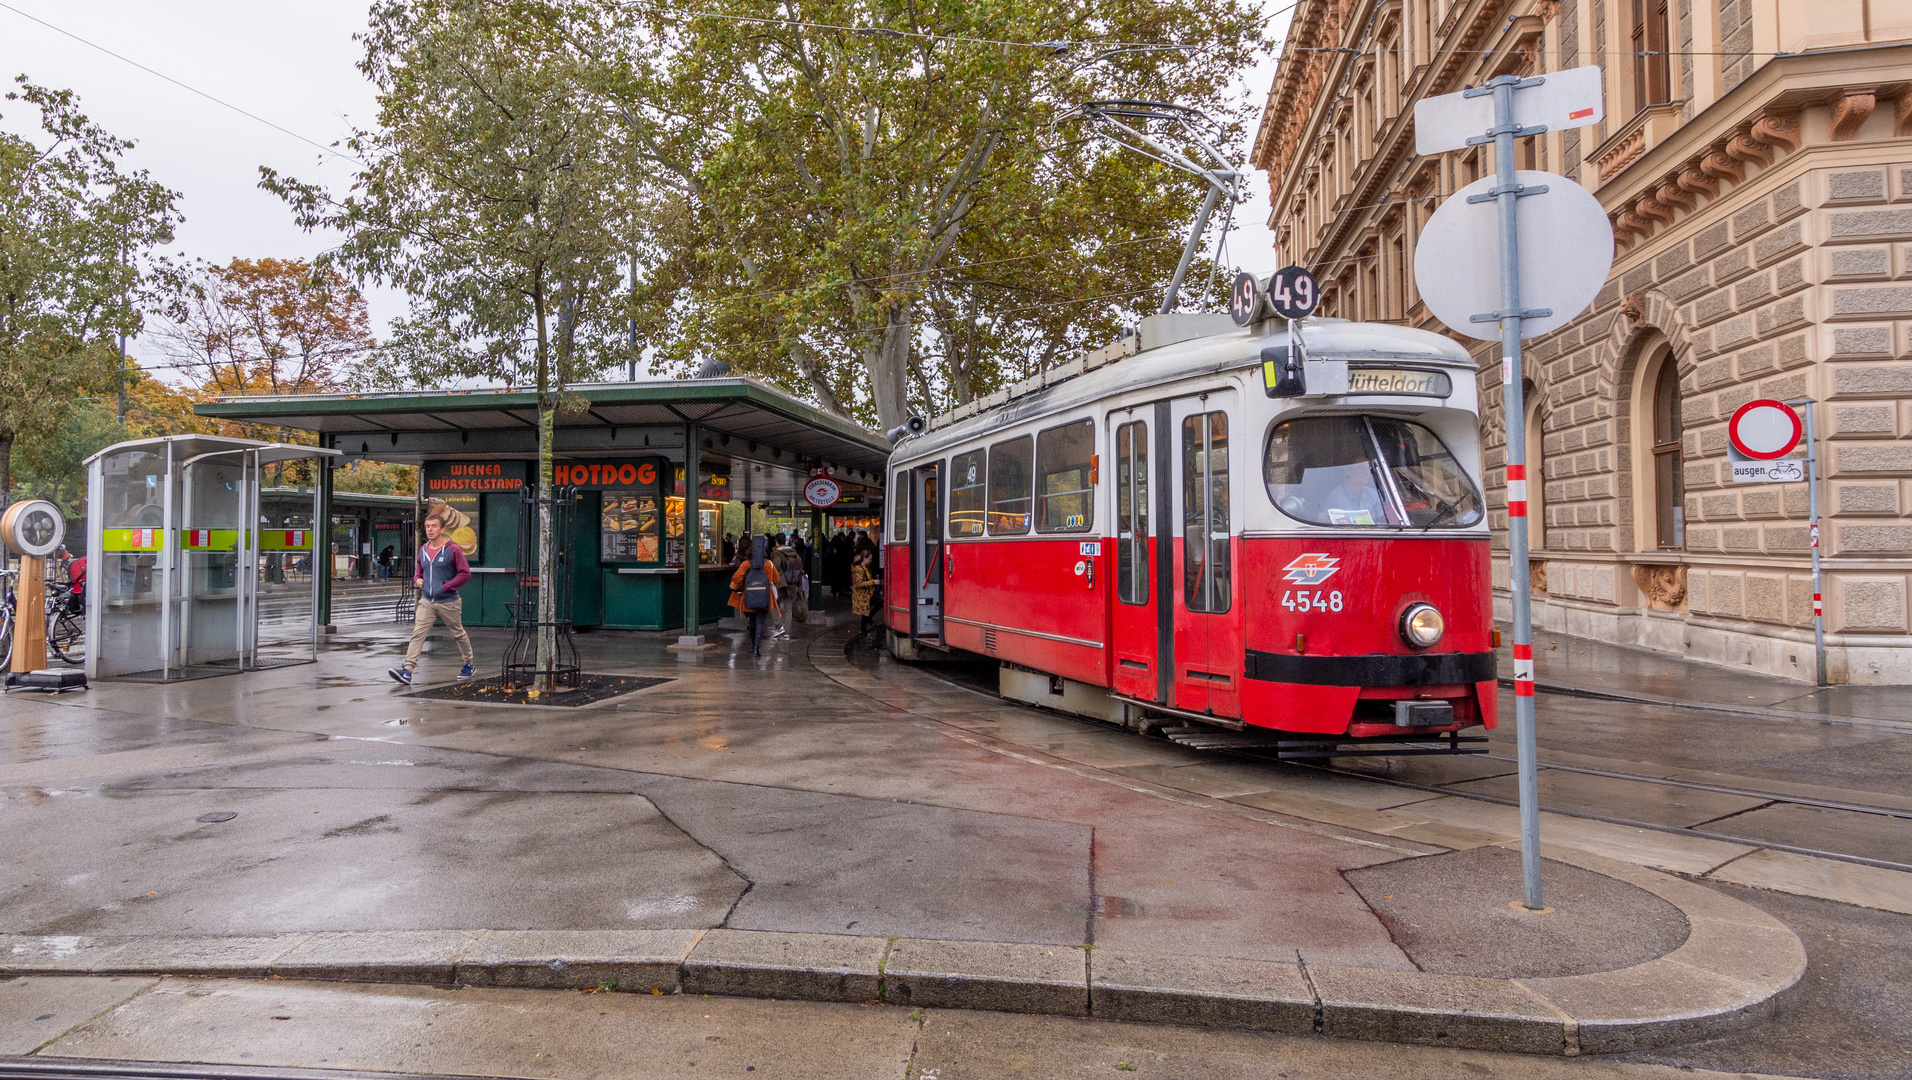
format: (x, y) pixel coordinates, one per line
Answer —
(547, 423)
(6, 469)
(889, 367)
(547, 552)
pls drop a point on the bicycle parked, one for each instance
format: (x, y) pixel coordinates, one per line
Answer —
(65, 620)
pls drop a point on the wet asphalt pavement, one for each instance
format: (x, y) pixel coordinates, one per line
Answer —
(808, 792)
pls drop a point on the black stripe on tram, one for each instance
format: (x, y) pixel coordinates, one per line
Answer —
(1418, 669)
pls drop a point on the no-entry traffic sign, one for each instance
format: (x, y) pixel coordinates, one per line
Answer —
(1764, 429)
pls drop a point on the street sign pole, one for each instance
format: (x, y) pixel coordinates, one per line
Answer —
(1812, 511)
(1507, 192)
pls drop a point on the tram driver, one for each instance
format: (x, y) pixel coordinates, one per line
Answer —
(1324, 472)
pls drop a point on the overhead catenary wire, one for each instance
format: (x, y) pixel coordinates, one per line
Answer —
(332, 151)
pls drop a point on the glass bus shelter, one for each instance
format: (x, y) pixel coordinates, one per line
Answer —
(193, 570)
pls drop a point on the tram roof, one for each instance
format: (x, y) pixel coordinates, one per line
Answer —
(1175, 348)
(740, 407)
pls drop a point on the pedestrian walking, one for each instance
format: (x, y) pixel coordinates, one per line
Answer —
(441, 570)
(730, 549)
(753, 591)
(863, 592)
(790, 569)
(385, 562)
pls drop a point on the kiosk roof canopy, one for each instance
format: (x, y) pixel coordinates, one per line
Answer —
(187, 447)
(739, 407)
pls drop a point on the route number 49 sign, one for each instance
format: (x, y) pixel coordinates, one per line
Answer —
(1293, 292)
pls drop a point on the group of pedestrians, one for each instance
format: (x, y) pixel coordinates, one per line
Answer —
(769, 585)
(770, 581)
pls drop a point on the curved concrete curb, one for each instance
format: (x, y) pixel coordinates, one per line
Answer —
(1734, 964)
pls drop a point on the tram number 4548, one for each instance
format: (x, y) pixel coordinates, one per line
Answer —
(1306, 600)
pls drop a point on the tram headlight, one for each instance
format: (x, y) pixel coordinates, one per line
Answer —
(1422, 625)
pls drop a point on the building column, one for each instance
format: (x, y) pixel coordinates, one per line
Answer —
(322, 544)
(693, 576)
(816, 557)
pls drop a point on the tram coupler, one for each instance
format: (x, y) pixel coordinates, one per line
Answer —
(1423, 713)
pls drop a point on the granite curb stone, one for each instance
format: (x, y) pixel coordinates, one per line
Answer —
(1052, 979)
(395, 956)
(1730, 971)
(1438, 1010)
(1202, 990)
(635, 960)
(801, 967)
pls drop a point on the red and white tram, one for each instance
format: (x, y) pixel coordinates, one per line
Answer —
(1151, 529)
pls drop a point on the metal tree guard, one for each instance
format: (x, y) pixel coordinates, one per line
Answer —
(521, 658)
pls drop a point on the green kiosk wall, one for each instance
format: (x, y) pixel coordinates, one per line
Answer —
(630, 588)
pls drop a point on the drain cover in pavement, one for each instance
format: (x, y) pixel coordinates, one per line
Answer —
(591, 688)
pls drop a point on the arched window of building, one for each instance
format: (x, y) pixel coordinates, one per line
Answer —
(1669, 496)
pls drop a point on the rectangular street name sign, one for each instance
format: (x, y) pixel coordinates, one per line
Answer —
(1567, 99)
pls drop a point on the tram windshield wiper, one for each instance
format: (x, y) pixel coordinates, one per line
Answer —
(1448, 508)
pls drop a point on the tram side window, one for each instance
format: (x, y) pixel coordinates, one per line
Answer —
(1205, 551)
(1009, 468)
(899, 497)
(1132, 513)
(1064, 456)
(968, 481)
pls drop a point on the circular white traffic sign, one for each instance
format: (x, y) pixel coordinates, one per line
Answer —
(822, 492)
(1764, 429)
(33, 528)
(1565, 250)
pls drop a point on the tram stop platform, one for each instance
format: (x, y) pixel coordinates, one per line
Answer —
(824, 824)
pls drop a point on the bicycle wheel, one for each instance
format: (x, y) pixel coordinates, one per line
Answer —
(66, 633)
(6, 632)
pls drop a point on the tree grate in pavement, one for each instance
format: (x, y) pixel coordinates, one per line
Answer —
(590, 689)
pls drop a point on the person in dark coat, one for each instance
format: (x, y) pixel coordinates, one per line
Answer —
(841, 552)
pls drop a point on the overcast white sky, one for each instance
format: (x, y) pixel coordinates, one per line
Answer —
(290, 63)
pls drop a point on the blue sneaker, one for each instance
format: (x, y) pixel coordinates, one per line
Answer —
(401, 674)
(467, 671)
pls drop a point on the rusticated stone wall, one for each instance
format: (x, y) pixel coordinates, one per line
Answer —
(1801, 287)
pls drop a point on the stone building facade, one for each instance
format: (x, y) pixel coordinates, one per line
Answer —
(1756, 163)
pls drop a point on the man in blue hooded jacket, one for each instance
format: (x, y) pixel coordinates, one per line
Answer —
(442, 568)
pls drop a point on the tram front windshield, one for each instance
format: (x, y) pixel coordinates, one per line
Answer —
(1367, 471)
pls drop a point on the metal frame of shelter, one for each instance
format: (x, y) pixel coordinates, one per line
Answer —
(690, 421)
(181, 557)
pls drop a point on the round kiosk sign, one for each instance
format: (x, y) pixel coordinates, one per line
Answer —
(1764, 429)
(821, 492)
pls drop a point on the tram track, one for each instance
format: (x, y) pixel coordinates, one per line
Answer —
(1771, 799)
(1765, 799)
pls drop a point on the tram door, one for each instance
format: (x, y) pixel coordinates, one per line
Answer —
(1207, 620)
(926, 552)
(1139, 628)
